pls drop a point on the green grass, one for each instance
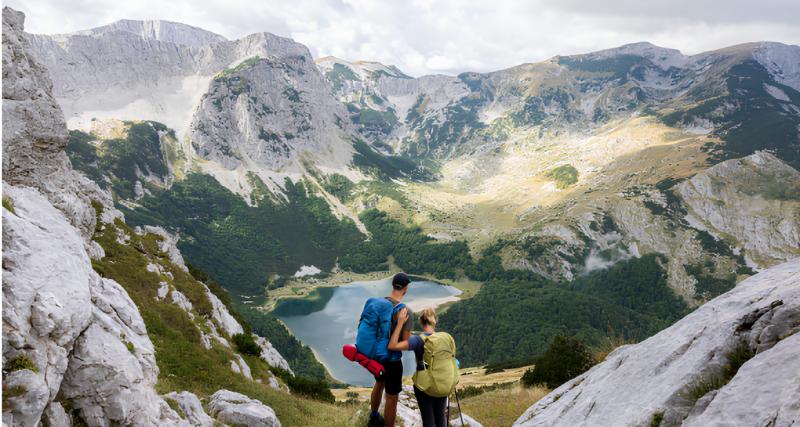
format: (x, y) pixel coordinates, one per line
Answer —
(8, 205)
(118, 162)
(247, 63)
(564, 176)
(657, 419)
(715, 381)
(14, 391)
(339, 74)
(175, 406)
(183, 362)
(19, 363)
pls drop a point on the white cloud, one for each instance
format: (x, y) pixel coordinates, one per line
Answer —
(449, 36)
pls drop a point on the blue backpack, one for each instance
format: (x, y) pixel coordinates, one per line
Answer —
(375, 329)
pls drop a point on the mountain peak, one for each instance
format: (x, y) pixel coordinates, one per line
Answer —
(156, 29)
(661, 56)
(362, 67)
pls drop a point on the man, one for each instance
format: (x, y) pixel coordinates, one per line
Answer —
(392, 381)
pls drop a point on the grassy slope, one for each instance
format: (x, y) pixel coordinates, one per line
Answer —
(501, 407)
(183, 362)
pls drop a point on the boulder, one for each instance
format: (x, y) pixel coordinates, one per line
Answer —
(237, 409)
(270, 355)
(192, 408)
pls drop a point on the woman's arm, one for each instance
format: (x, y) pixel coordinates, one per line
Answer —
(394, 342)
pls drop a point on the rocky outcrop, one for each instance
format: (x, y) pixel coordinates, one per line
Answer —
(191, 407)
(270, 355)
(238, 410)
(68, 333)
(755, 200)
(268, 112)
(71, 339)
(687, 374)
(168, 244)
(34, 133)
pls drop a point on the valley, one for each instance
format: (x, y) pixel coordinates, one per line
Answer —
(224, 198)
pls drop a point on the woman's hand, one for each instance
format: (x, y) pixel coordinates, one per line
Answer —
(402, 316)
(394, 341)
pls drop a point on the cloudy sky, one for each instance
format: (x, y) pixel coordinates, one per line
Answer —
(448, 36)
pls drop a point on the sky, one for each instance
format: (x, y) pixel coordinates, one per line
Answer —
(448, 36)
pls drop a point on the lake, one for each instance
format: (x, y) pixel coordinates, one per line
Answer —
(328, 319)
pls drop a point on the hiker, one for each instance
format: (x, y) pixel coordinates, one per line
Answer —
(378, 320)
(437, 368)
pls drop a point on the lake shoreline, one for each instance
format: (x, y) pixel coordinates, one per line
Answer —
(324, 321)
(303, 287)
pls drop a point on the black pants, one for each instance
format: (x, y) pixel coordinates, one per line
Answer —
(432, 409)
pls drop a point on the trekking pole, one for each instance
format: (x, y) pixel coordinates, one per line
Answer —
(459, 407)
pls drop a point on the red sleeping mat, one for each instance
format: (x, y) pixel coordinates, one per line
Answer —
(351, 353)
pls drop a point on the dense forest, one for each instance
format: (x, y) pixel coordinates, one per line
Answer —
(516, 319)
(241, 245)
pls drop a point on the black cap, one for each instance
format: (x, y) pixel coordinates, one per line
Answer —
(400, 281)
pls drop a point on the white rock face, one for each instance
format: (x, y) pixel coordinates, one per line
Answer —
(46, 277)
(635, 382)
(192, 408)
(237, 410)
(268, 114)
(782, 61)
(168, 244)
(222, 317)
(270, 355)
(82, 332)
(732, 198)
(239, 366)
(34, 133)
(754, 386)
(155, 30)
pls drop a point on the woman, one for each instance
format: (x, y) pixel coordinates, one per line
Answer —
(432, 408)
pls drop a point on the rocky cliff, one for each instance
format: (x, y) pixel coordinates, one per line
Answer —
(75, 346)
(733, 361)
(256, 104)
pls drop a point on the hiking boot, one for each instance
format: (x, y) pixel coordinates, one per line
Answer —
(376, 421)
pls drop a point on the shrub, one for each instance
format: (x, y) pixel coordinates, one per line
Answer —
(564, 176)
(19, 363)
(565, 359)
(315, 389)
(13, 391)
(8, 204)
(658, 417)
(246, 345)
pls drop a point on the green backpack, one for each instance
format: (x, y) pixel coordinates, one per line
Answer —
(440, 376)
